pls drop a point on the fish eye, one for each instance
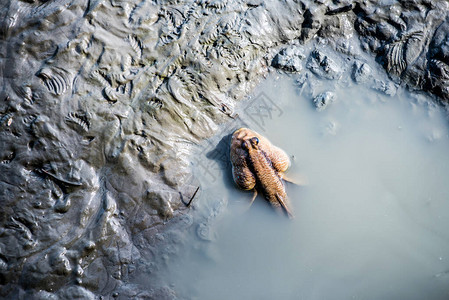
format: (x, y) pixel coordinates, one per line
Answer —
(255, 140)
(244, 145)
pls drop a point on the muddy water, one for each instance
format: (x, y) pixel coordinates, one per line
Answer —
(371, 223)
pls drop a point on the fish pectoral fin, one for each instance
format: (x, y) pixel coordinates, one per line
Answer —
(254, 198)
(284, 206)
(297, 179)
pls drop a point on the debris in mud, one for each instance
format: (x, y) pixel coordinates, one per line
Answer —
(323, 66)
(289, 59)
(386, 87)
(323, 100)
(361, 72)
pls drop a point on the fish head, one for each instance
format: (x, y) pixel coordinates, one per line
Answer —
(243, 133)
(251, 144)
(245, 138)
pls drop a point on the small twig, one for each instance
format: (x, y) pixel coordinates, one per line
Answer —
(191, 199)
(58, 179)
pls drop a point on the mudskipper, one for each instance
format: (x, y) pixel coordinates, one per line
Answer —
(259, 165)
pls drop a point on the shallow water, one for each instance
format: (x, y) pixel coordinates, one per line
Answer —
(371, 223)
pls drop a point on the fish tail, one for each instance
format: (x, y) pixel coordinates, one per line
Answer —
(284, 206)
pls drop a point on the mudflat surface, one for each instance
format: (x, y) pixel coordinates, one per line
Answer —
(103, 102)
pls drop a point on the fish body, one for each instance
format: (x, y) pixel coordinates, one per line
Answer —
(257, 164)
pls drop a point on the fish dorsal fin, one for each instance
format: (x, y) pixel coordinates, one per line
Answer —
(284, 206)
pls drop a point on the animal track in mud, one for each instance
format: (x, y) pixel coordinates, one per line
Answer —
(6, 119)
(23, 230)
(56, 80)
(154, 105)
(401, 53)
(8, 157)
(78, 118)
(440, 68)
(136, 44)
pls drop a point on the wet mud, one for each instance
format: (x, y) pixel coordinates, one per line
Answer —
(102, 102)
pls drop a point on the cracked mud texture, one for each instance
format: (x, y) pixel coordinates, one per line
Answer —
(102, 102)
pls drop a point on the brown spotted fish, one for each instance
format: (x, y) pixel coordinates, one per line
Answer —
(258, 165)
